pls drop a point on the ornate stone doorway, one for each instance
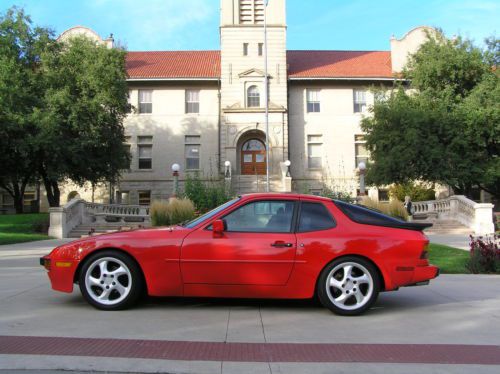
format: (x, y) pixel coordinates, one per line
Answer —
(253, 157)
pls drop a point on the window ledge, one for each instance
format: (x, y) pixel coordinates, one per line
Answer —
(142, 170)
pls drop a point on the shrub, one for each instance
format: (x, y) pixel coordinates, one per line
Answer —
(206, 195)
(394, 208)
(171, 212)
(337, 193)
(331, 193)
(416, 191)
(484, 255)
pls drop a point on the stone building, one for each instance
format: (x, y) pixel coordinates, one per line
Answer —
(202, 108)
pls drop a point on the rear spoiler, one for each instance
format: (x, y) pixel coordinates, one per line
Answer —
(415, 226)
(368, 216)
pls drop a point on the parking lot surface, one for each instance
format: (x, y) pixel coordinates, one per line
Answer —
(450, 326)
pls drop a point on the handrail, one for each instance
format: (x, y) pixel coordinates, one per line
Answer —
(476, 216)
(78, 211)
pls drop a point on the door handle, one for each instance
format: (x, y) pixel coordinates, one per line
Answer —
(281, 243)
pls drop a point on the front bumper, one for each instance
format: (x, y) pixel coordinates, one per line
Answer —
(61, 273)
(45, 262)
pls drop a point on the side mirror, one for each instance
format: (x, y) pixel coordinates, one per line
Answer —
(218, 227)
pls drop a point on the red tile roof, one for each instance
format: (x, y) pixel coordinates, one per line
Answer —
(339, 64)
(173, 64)
(301, 64)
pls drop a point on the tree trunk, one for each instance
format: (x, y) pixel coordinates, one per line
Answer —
(52, 190)
(16, 191)
(18, 204)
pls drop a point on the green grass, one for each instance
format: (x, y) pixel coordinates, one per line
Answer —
(19, 228)
(450, 260)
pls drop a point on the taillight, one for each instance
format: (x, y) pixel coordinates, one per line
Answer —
(425, 253)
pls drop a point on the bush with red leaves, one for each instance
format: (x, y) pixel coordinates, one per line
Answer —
(484, 255)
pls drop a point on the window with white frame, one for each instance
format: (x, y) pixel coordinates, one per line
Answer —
(192, 101)
(362, 154)
(145, 101)
(123, 197)
(314, 151)
(253, 97)
(28, 197)
(192, 152)
(313, 102)
(383, 195)
(145, 151)
(144, 197)
(359, 101)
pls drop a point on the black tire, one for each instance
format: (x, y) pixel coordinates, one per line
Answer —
(132, 281)
(352, 289)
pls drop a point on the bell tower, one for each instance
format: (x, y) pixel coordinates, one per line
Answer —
(243, 88)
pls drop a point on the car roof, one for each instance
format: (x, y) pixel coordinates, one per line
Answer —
(284, 196)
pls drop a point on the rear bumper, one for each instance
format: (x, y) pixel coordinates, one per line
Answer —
(425, 273)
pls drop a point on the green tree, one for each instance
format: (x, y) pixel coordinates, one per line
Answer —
(81, 125)
(444, 124)
(21, 88)
(62, 107)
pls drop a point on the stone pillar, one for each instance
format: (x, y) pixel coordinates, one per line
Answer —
(483, 219)
(57, 223)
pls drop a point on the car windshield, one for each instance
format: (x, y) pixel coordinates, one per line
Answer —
(210, 214)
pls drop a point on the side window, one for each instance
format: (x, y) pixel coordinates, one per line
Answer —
(314, 217)
(261, 216)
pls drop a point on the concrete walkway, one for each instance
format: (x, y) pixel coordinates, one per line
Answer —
(35, 248)
(452, 240)
(450, 326)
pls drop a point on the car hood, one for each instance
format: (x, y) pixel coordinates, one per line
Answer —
(166, 233)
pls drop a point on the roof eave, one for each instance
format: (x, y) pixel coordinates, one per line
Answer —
(158, 79)
(346, 78)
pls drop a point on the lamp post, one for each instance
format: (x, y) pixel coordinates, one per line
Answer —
(175, 174)
(227, 169)
(362, 170)
(266, 82)
(287, 164)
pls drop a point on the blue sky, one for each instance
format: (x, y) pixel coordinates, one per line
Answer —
(312, 24)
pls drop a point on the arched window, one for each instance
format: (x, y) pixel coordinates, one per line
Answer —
(253, 145)
(253, 97)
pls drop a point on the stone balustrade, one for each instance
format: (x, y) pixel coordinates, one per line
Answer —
(476, 216)
(78, 211)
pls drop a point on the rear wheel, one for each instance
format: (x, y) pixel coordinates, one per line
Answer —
(110, 280)
(348, 286)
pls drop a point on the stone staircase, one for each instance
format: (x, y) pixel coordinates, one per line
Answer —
(85, 229)
(446, 227)
(243, 184)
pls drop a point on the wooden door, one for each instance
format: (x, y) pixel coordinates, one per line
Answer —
(253, 158)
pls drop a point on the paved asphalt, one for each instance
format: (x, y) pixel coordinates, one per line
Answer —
(452, 310)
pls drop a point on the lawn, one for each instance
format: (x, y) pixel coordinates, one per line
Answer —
(18, 228)
(450, 260)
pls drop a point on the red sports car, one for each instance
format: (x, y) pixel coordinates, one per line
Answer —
(255, 246)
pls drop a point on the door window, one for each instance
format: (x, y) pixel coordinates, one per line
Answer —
(261, 216)
(314, 217)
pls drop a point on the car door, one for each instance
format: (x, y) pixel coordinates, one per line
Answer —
(257, 247)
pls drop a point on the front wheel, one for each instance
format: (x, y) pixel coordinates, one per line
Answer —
(110, 280)
(348, 286)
